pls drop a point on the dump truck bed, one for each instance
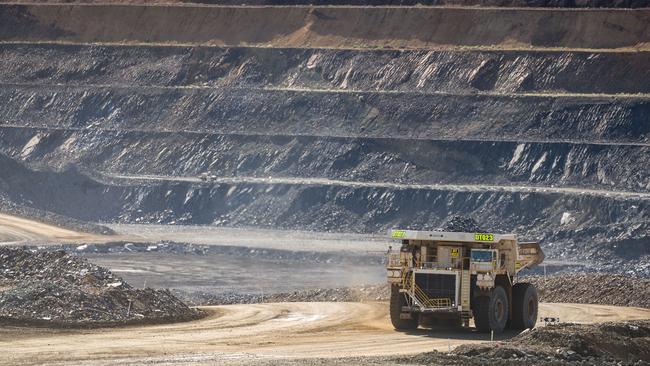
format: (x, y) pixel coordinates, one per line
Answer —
(450, 236)
(528, 254)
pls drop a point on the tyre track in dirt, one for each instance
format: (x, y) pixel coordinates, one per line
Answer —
(15, 230)
(262, 331)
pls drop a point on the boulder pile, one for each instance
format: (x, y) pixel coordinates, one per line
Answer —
(593, 288)
(614, 343)
(461, 224)
(56, 288)
(379, 292)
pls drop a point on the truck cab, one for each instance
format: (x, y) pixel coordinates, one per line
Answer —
(454, 277)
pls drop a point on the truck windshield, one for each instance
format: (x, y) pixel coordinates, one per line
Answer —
(481, 256)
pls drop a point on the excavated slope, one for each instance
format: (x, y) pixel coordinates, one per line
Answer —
(552, 142)
(600, 228)
(309, 112)
(179, 154)
(257, 112)
(506, 3)
(345, 26)
(425, 71)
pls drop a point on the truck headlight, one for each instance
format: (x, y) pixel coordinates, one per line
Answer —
(393, 273)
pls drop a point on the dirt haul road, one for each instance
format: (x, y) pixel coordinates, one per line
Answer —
(15, 230)
(241, 333)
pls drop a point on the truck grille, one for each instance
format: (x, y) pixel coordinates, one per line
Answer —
(437, 286)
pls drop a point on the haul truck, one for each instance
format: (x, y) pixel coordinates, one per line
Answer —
(450, 277)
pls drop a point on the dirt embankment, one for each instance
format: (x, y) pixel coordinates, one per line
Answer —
(18, 229)
(504, 3)
(58, 289)
(343, 294)
(581, 288)
(587, 231)
(593, 288)
(623, 343)
(353, 27)
(421, 71)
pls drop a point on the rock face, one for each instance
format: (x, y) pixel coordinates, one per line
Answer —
(592, 236)
(55, 288)
(321, 69)
(462, 224)
(336, 128)
(492, 3)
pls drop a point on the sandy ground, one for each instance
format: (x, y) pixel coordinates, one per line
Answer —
(294, 240)
(14, 230)
(263, 331)
(224, 273)
(241, 334)
(17, 230)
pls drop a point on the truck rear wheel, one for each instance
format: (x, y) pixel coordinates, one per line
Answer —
(525, 304)
(397, 301)
(491, 312)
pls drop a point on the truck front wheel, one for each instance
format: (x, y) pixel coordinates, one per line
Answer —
(524, 306)
(397, 301)
(491, 312)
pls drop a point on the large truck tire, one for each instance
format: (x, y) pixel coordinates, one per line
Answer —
(397, 301)
(499, 309)
(525, 305)
(491, 312)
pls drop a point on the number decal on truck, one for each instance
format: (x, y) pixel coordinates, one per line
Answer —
(483, 237)
(398, 234)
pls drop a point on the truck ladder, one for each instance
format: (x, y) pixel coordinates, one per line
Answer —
(465, 292)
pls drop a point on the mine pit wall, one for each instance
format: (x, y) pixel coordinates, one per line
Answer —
(423, 71)
(600, 224)
(490, 3)
(395, 137)
(306, 26)
(169, 102)
(358, 114)
(289, 205)
(179, 154)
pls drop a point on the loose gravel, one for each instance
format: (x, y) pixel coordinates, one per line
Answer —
(461, 224)
(593, 288)
(583, 288)
(55, 288)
